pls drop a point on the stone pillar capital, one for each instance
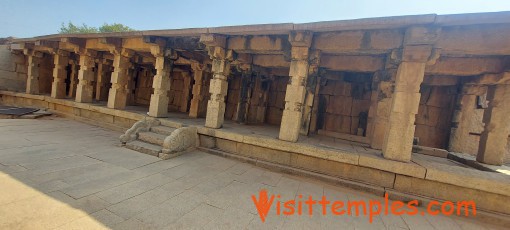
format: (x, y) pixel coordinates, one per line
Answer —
(87, 52)
(122, 52)
(61, 52)
(300, 38)
(196, 66)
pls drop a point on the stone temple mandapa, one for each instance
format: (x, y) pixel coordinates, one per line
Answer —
(412, 106)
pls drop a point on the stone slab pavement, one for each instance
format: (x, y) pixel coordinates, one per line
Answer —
(61, 174)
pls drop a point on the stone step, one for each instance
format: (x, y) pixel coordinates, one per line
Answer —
(163, 130)
(153, 138)
(169, 123)
(144, 147)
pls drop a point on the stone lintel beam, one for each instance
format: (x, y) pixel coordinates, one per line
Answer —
(270, 61)
(214, 40)
(72, 44)
(49, 44)
(467, 66)
(116, 42)
(491, 79)
(141, 45)
(262, 44)
(85, 88)
(358, 63)
(296, 88)
(58, 87)
(154, 40)
(21, 46)
(422, 35)
(50, 47)
(494, 138)
(103, 44)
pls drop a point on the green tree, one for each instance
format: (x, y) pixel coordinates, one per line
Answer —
(71, 28)
(114, 27)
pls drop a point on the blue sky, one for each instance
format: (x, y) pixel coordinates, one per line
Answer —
(27, 18)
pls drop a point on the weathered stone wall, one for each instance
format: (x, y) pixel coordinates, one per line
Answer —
(144, 88)
(346, 100)
(233, 95)
(433, 121)
(204, 94)
(13, 70)
(176, 92)
(45, 74)
(276, 100)
(258, 101)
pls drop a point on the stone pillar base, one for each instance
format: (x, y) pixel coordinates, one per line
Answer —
(290, 126)
(117, 99)
(158, 106)
(58, 90)
(84, 93)
(215, 114)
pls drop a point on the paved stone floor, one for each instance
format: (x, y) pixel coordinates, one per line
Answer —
(61, 174)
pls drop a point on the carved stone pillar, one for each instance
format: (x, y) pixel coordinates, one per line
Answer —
(221, 59)
(34, 60)
(463, 118)
(101, 81)
(161, 84)
(243, 104)
(494, 138)
(311, 83)
(117, 97)
(85, 89)
(185, 91)
(198, 75)
(418, 51)
(73, 81)
(296, 88)
(58, 87)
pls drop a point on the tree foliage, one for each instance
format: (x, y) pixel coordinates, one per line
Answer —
(71, 28)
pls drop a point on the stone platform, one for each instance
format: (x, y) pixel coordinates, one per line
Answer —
(342, 162)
